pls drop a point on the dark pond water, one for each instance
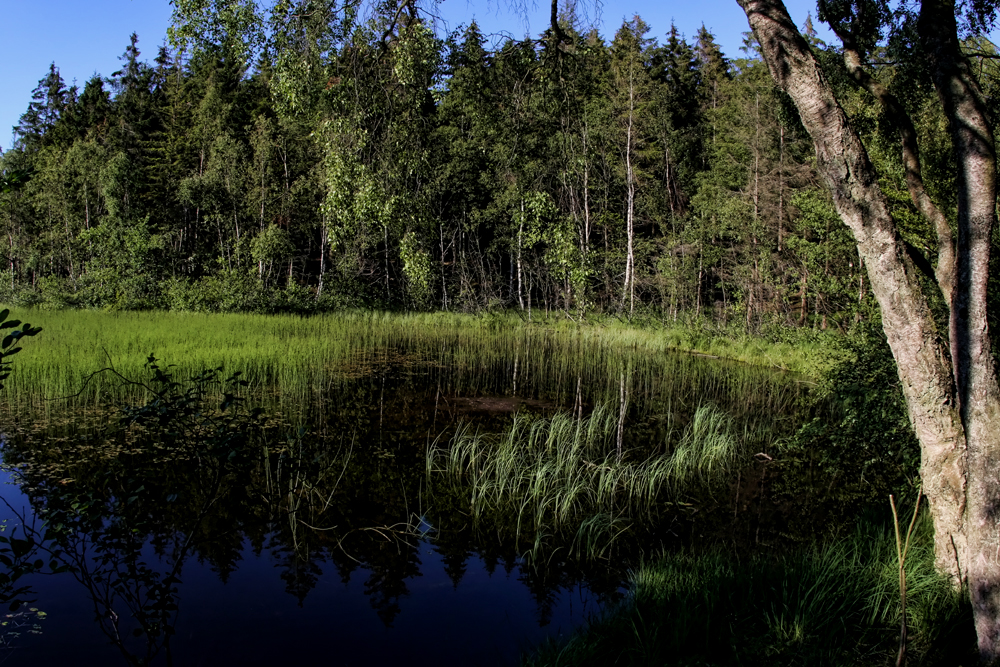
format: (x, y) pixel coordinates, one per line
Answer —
(412, 608)
(313, 536)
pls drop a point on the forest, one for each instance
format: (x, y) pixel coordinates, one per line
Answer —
(386, 166)
(512, 247)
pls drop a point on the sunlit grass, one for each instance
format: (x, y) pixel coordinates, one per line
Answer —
(290, 359)
(568, 475)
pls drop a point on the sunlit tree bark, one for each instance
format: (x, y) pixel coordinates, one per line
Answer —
(949, 381)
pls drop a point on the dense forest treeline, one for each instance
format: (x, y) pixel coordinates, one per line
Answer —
(388, 166)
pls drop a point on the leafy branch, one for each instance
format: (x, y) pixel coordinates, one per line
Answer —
(9, 346)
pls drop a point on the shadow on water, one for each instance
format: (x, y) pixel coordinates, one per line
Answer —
(310, 529)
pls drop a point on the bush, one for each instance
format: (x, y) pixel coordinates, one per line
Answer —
(858, 445)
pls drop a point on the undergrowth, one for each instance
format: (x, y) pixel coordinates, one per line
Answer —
(832, 604)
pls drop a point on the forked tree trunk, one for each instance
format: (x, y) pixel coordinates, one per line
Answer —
(950, 388)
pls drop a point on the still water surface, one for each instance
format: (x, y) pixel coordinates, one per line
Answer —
(253, 619)
(318, 547)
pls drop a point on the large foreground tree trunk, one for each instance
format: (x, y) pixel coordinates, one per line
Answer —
(948, 378)
(972, 358)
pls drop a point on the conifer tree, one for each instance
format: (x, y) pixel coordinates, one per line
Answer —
(48, 101)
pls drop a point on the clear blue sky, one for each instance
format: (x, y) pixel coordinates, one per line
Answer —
(87, 36)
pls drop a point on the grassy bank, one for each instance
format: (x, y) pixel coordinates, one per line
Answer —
(294, 357)
(834, 604)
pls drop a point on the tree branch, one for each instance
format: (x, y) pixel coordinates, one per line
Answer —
(945, 272)
(395, 19)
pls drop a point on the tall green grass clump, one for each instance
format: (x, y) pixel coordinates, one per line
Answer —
(832, 604)
(568, 476)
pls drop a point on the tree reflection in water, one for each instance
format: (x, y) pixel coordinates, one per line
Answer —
(194, 477)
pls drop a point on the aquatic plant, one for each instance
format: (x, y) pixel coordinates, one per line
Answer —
(291, 362)
(564, 474)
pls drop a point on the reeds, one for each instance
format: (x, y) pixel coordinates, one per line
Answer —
(563, 475)
(290, 361)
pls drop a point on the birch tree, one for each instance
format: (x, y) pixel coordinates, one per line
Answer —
(631, 83)
(948, 377)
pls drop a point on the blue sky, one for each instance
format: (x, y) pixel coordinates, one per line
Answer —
(84, 37)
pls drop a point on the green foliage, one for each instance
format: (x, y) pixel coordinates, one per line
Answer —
(240, 291)
(859, 444)
(10, 345)
(270, 247)
(122, 274)
(827, 256)
(235, 24)
(12, 180)
(832, 604)
(417, 269)
(370, 161)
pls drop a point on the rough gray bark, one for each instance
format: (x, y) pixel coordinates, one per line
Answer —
(972, 358)
(951, 390)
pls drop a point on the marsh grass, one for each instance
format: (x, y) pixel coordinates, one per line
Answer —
(290, 361)
(808, 352)
(834, 604)
(562, 476)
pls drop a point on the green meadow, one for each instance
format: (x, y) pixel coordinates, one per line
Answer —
(291, 358)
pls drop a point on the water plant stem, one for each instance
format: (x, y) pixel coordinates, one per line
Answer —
(902, 548)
